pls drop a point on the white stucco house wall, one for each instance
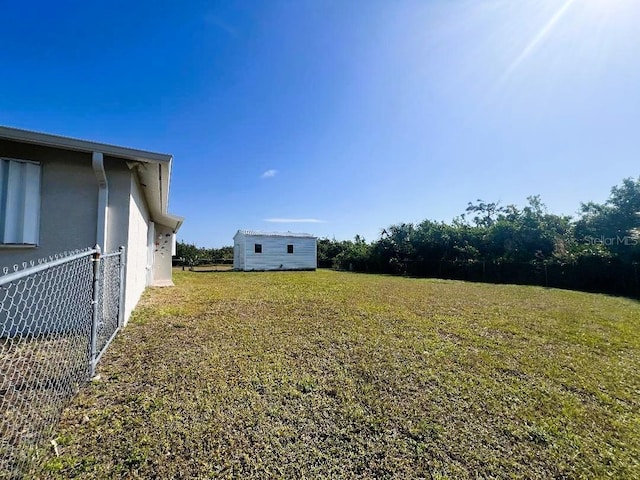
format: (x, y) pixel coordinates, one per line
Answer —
(274, 251)
(61, 194)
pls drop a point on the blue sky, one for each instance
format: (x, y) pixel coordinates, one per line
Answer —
(344, 115)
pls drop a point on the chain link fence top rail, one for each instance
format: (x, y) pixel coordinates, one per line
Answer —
(46, 316)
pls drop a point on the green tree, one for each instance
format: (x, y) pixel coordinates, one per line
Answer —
(355, 256)
(329, 249)
(188, 252)
(615, 224)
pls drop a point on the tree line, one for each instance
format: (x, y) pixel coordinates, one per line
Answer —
(599, 250)
(190, 254)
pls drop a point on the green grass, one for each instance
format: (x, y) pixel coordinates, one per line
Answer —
(336, 375)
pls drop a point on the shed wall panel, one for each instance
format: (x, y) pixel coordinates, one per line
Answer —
(274, 254)
(238, 252)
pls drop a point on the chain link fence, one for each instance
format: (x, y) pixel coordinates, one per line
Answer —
(57, 316)
(110, 280)
(588, 275)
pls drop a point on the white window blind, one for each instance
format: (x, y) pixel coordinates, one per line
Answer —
(19, 202)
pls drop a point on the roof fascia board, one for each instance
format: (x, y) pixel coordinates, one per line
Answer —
(172, 221)
(68, 143)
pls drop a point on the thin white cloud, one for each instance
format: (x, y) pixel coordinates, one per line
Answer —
(217, 22)
(294, 220)
(269, 174)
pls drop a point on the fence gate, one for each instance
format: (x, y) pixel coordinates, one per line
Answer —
(57, 317)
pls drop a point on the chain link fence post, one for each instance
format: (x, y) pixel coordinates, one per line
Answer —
(122, 283)
(95, 309)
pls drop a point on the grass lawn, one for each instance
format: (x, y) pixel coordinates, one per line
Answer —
(337, 375)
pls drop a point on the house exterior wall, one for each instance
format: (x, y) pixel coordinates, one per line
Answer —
(274, 254)
(162, 246)
(69, 214)
(69, 202)
(136, 274)
(68, 207)
(119, 178)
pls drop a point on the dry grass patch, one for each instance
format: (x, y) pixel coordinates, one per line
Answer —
(336, 375)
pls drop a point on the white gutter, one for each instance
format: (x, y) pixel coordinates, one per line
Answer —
(103, 199)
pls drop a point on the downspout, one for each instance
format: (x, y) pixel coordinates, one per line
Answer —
(103, 200)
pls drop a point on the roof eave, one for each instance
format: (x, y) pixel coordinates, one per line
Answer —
(154, 178)
(174, 222)
(68, 143)
(154, 174)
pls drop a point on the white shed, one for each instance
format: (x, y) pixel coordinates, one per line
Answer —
(274, 251)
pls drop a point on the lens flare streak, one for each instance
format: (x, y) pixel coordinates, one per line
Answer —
(537, 40)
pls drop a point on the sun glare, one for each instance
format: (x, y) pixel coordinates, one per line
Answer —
(593, 25)
(533, 44)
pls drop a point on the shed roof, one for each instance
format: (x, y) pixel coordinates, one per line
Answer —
(254, 233)
(154, 168)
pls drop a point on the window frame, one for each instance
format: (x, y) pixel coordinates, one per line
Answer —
(257, 248)
(290, 248)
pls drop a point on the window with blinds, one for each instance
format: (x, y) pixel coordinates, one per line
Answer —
(19, 202)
